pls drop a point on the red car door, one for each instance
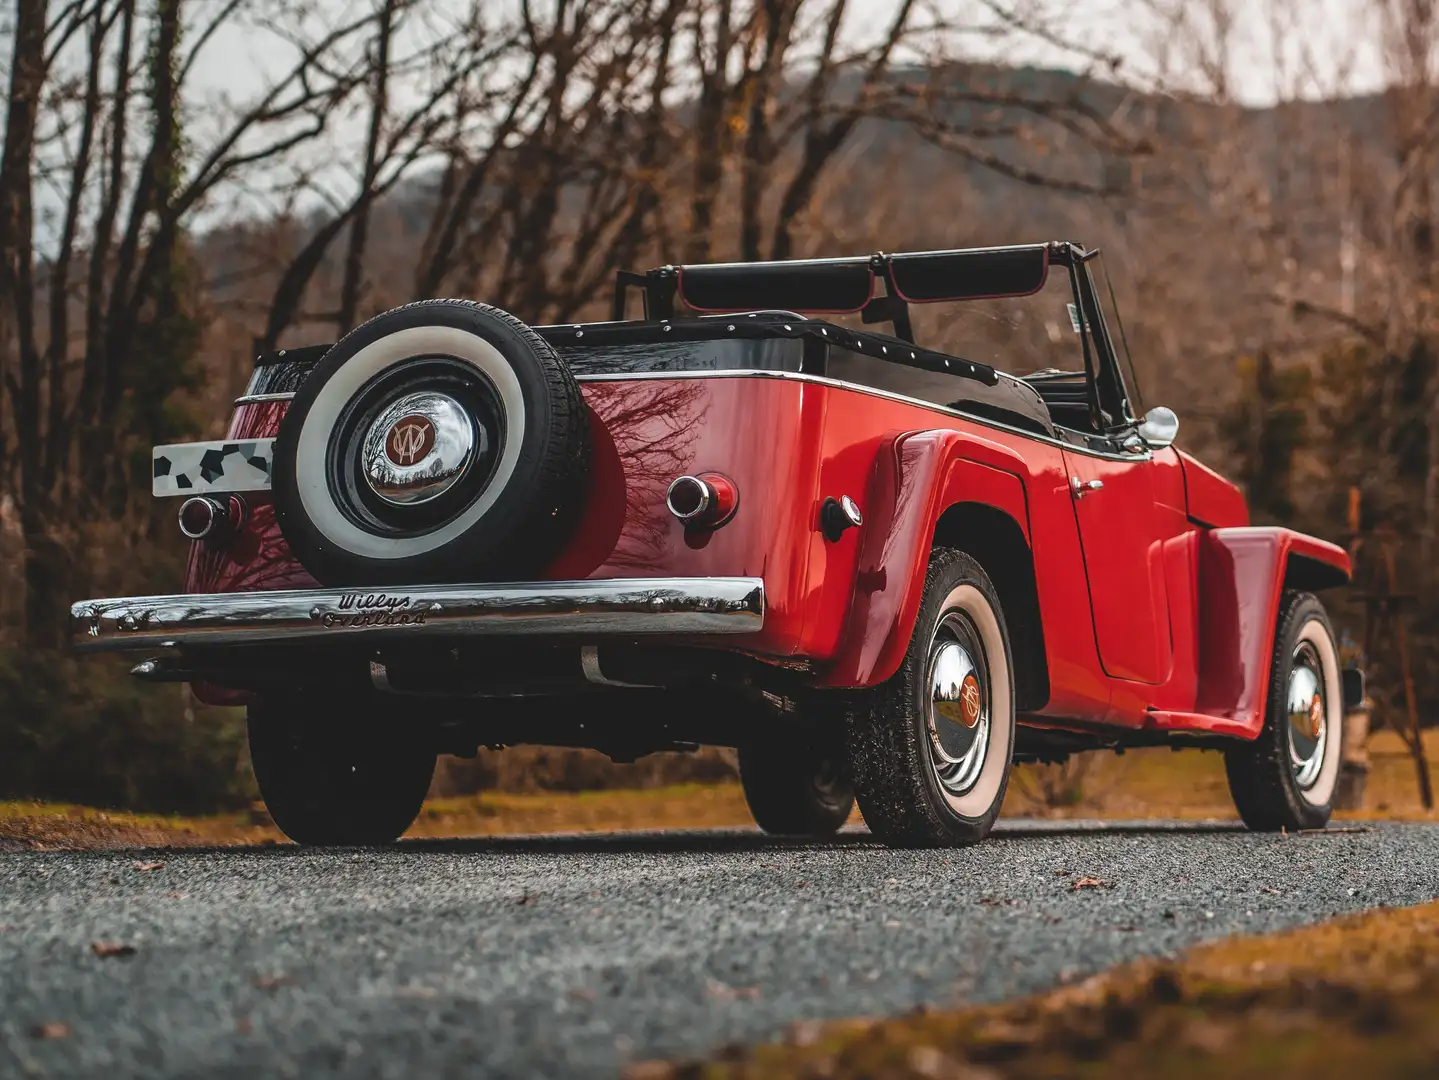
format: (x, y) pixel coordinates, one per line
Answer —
(1121, 533)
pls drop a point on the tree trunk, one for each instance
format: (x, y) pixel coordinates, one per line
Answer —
(360, 228)
(17, 307)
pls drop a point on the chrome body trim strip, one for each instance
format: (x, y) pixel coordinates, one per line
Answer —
(841, 384)
(820, 380)
(624, 606)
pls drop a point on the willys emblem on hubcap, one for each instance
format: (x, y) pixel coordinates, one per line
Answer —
(419, 447)
(969, 701)
(410, 439)
(1316, 715)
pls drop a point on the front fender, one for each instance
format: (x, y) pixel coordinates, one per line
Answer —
(916, 478)
(1243, 573)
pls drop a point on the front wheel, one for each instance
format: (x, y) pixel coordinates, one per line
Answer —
(930, 749)
(1285, 779)
(361, 781)
(796, 786)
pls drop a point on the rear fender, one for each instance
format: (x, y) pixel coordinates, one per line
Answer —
(1243, 573)
(916, 479)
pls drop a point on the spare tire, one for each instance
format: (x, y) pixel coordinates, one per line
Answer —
(441, 441)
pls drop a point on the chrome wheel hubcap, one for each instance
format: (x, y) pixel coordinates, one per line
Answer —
(419, 447)
(959, 705)
(1308, 715)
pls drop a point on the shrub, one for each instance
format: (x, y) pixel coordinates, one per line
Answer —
(85, 732)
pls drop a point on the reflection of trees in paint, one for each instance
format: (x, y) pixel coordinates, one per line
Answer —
(257, 559)
(654, 425)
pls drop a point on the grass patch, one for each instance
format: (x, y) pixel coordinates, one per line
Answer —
(1191, 785)
(1141, 784)
(1355, 997)
(61, 826)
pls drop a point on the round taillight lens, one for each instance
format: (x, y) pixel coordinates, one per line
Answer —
(705, 501)
(198, 517)
(203, 518)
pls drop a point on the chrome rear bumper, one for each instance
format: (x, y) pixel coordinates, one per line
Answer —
(608, 606)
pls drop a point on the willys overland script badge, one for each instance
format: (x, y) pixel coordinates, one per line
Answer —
(410, 439)
(370, 609)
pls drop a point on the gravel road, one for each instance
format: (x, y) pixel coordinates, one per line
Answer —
(568, 956)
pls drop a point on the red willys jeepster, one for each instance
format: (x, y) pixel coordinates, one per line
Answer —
(882, 572)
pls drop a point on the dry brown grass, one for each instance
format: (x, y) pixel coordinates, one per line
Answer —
(1140, 784)
(1191, 784)
(58, 826)
(1355, 997)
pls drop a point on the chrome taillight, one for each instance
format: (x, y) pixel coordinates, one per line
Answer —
(212, 520)
(705, 501)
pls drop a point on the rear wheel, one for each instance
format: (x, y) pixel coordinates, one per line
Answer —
(797, 786)
(930, 749)
(360, 782)
(1285, 779)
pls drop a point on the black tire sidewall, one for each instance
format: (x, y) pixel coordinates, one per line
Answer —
(324, 784)
(778, 778)
(541, 497)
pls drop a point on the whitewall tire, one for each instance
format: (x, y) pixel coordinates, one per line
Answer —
(930, 749)
(440, 441)
(1286, 778)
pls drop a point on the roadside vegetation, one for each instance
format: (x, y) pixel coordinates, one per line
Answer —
(535, 796)
(1355, 997)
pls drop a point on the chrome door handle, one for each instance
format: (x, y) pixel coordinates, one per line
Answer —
(1079, 488)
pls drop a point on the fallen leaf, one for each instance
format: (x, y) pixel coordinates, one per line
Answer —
(145, 867)
(1270, 891)
(1089, 883)
(723, 992)
(272, 982)
(243, 1026)
(112, 948)
(52, 1029)
(581, 993)
(174, 896)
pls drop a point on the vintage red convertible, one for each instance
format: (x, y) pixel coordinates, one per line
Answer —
(883, 572)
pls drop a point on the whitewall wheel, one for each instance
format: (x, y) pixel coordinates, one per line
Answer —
(1286, 777)
(930, 749)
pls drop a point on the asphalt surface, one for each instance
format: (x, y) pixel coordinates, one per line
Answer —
(569, 956)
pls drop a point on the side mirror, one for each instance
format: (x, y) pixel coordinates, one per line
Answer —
(1159, 428)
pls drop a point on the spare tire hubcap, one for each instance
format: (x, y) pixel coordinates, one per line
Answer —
(419, 447)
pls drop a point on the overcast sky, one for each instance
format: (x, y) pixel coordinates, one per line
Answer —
(1331, 38)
